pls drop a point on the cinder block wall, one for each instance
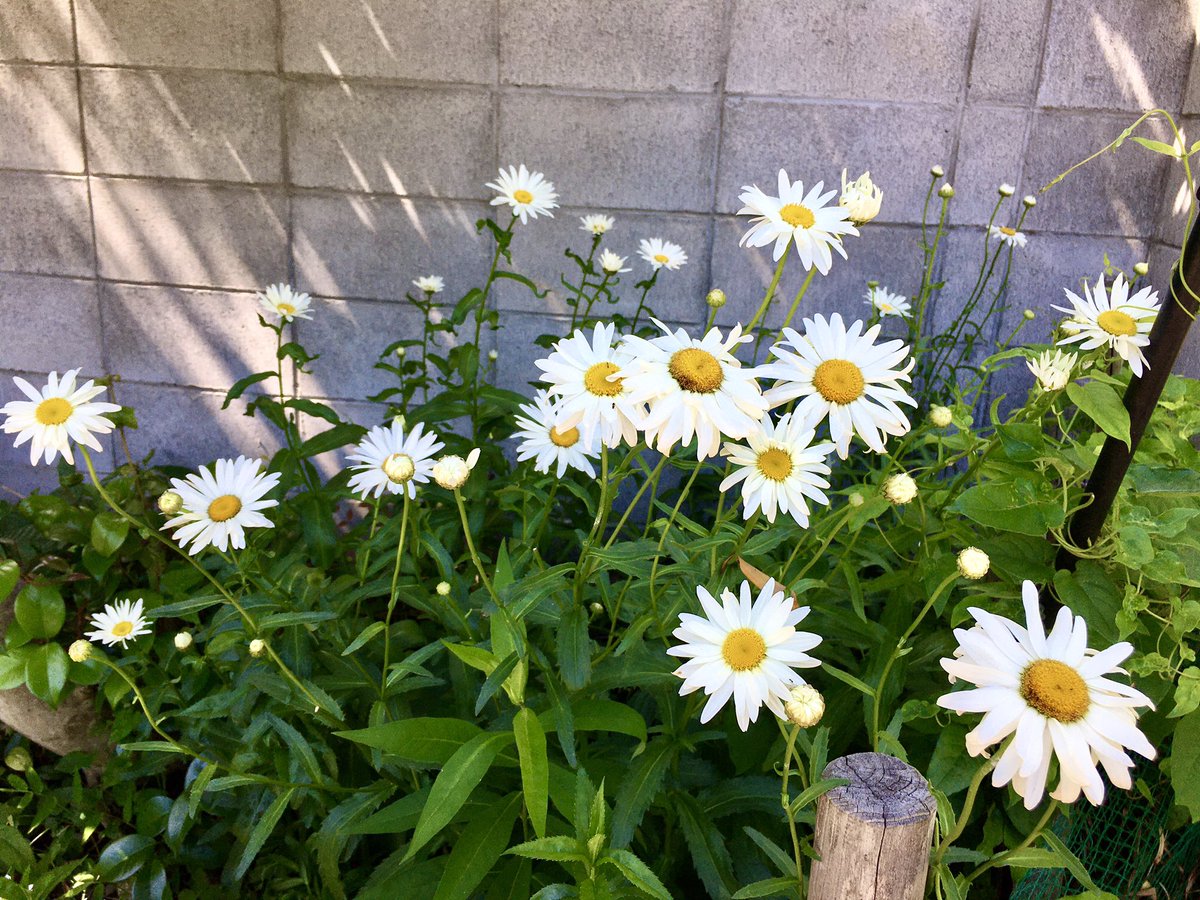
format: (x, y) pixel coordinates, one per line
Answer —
(160, 160)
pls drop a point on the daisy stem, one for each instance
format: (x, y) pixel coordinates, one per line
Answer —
(751, 523)
(595, 296)
(663, 538)
(960, 824)
(785, 798)
(598, 523)
(387, 622)
(366, 557)
(537, 538)
(895, 654)
(642, 302)
(582, 285)
(766, 300)
(1000, 859)
(480, 309)
(796, 303)
(483, 576)
(652, 477)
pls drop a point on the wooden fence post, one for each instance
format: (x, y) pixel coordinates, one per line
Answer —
(874, 834)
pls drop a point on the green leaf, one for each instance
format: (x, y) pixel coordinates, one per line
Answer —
(476, 850)
(1101, 403)
(598, 714)
(639, 788)
(423, 741)
(314, 409)
(365, 635)
(1187, 693)
(783, 862)
(1033, 858)
(337, 436)
(262, 830)
(535, 768)
(639, 874)
(108, 533)
(475, 657)
(1157, 146)
(1020, 506)
(40, 610)
(12, 672)
(551, 849)
(240, 386)
(1074, 866)
(284, 619)
(814, 791)
(1185, 763)
(15, 853)
(847, 678)
(706, 846)
(768, 887)
(494, 681)
(123, 857)
(574, 649)
(9, 576)
(46, 672)
(459, 777)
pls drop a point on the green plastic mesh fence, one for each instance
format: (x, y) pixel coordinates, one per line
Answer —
(1124, 847)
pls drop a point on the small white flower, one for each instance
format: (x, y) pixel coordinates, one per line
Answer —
(887, 303)
(805, 218)
(218, 506)
(183, 640)
(861, 198)
(973, 563)
(611, 263)
(528, 193)
(1111, 318)
(745, 650)
(900, 489)
(940, 416)
(430, 284)
(119, 623)
(281, 301)
(56, 415)
(1008, 236)
(389, 460)
(1053, 369)
(551, 446)
(662, 254)
(805, 706)
(596, 224)
(452, 472)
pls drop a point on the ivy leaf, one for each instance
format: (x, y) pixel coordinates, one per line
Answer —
(1185, 763)
(1187, 693)
(39, 609)
(9, 575)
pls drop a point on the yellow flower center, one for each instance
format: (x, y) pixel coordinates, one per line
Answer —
(661, 258)
(775, 464)
(523, 196)
(54, 411)
(744, 649)
(696, 370)
(121, 629)
(1008, 232)
(1055, 690)
(886, 307)
(839, 381)
(286, 309)
(566, 438)
(1115, 323)
(224, 508)
(595, 379)
(797, 216)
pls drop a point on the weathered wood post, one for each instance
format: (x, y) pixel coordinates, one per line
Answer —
(873, 834)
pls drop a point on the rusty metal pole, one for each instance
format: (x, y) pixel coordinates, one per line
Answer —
(1166, 338)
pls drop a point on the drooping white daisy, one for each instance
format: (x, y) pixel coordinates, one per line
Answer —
(694, 387)
(778, 468)
(390, 460)
(861, 198)
(1055, 695)
(119, 623)
(807, 219)
(1052, 369)
(582, 374)
(56, 415)
(887, 303)
(611, 263)
(430, 284)
(748, 651)
(281, 301)
(1114, 319)
(528, 193)
(1008, 236)
(596, 223)
(662, 254)
(550, 445)
(842, 373)
(451, 472)
(219, 506)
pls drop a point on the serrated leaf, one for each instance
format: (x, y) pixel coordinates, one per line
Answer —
(639, 874)
(769, 887)
(476, 850)
(261, 831)
(535, 767)
(574, 649)
(426, 741)
(706, 847)
(638, 790)
(551, 849)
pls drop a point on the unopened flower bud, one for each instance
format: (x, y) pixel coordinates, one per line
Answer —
(937, 171)
(946, 191)
(855, 500)
(257, 648)
(19, 759)
(443, 589)
(940, 416)
(900, 489)
(452, 472)
(1142, 269)
(973, 563)
(183, 640)
(805, 706)
(399, 468)
(493, 355)
(1006, 190)
(1029, 314)
(715, 298)
(861, 198)
(80, 651)
(1029, 200)
(595, 609)
(401, 352)
(169, 503)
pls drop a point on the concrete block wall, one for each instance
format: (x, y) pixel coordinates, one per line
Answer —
(161, 160)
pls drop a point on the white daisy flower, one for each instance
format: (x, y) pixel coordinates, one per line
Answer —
(1054, 695)
(596, 223)
(219, 506)
(281, 301)
(550, 445)
(611, 263)
(389, 460)
(528, 193)
(1114, 319)
(660, 253)
(694, 387)
(592, 396)
(778, 468)
(744, 650)
(430, 284)
(887, 303)
(861, 198)
(816, 227)
(843, 374)
(1052, 369)
(119, 623)
(56, 415)
(1008, 236)
(451, 472)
